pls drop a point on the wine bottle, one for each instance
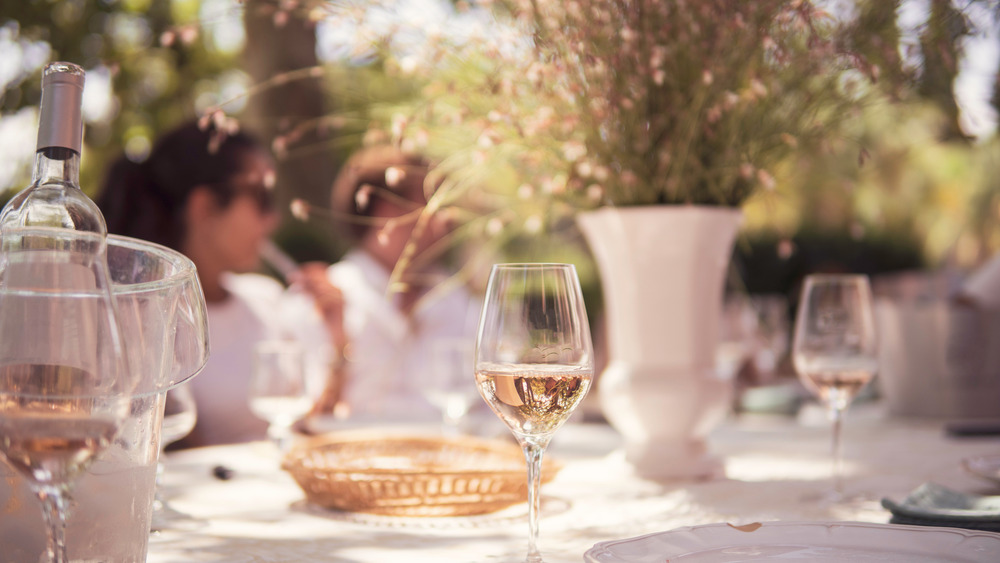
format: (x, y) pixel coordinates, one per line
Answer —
(53, 250)
(54, 198)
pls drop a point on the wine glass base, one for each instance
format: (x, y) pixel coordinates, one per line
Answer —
(846, 505)
(167, 518)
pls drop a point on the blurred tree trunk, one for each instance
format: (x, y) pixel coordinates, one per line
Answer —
(995, 98)
(279, 42)
(941, 46)
(875, 34)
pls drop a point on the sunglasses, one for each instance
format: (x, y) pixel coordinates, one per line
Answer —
(260, 194)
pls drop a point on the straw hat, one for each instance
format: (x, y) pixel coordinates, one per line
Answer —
(365, 174)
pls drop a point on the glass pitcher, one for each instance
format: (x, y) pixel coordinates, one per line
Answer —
(161, 310)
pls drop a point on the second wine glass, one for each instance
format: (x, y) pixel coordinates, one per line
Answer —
(534, 360)
(835, 348)
(278, 392)
(447, 385)
(179, 417)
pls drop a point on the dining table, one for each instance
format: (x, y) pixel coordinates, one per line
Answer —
(235, 504)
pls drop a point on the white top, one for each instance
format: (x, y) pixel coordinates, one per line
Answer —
(390, 353)
(983, 285)
(257, 309)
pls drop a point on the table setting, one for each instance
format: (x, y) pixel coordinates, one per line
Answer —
(901, 489)
(772, 463)
(897, 488)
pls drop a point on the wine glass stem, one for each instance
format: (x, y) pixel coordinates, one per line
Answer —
(281, 435)
(54, 505)
(533, 450)
(836, 417)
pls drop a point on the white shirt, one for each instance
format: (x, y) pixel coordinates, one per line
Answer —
(258, 308)
(983, 285)
(390, 354)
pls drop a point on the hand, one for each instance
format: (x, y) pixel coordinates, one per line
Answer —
(328, 298)
(330, 398)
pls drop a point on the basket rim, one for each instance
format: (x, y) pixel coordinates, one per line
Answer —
(295, 459)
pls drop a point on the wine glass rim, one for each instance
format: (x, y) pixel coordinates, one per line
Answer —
(180, 271)
(532, 265)
(86, 395)
(836, 277)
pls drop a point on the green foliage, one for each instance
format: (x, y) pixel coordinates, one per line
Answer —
(155, 84)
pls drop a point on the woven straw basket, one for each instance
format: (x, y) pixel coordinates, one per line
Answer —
(411, 475)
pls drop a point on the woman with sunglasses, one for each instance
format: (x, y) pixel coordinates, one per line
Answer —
(209, 195)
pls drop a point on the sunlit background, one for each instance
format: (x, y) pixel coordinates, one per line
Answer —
(921, 194)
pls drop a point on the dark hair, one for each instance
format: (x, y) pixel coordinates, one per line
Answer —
(368, 166)
(146, 200)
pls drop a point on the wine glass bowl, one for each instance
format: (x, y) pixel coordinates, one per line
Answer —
(51, 435)
(835, 347)
(447, 385)
(278, 390)
(180, 414)
(534, 360)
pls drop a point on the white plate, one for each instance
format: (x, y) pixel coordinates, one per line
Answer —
(802, 541)
(985, 466)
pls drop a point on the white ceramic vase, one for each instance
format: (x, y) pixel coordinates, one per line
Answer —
(662, 270)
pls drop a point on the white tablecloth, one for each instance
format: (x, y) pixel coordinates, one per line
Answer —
(775, 467)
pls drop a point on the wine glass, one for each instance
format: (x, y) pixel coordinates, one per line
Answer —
(179, 416)
(446, 384)
(278, 391)
(835, 348)
(65, 390)
(772, 333)
(534, 360)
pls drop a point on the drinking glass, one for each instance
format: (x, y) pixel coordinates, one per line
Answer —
(447, 385)
(534, 360)
(772, 333)
(835, 348)
(65, 389)
(179, 417)
(278, 391)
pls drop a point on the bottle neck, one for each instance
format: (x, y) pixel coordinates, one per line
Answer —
(57, 166)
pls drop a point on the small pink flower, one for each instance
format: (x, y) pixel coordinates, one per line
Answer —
(394, 175)
(382, 237)
(765, 179)
(299, 209)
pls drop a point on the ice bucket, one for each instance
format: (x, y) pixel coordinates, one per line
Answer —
(161, 310)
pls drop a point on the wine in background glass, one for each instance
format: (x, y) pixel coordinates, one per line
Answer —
(737, 333)
(278, 391)
(179, 417)
(772, 333)
(446, 384)
(534, 360)
(835, 347)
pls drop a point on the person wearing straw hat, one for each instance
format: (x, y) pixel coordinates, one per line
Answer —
(395, 306)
